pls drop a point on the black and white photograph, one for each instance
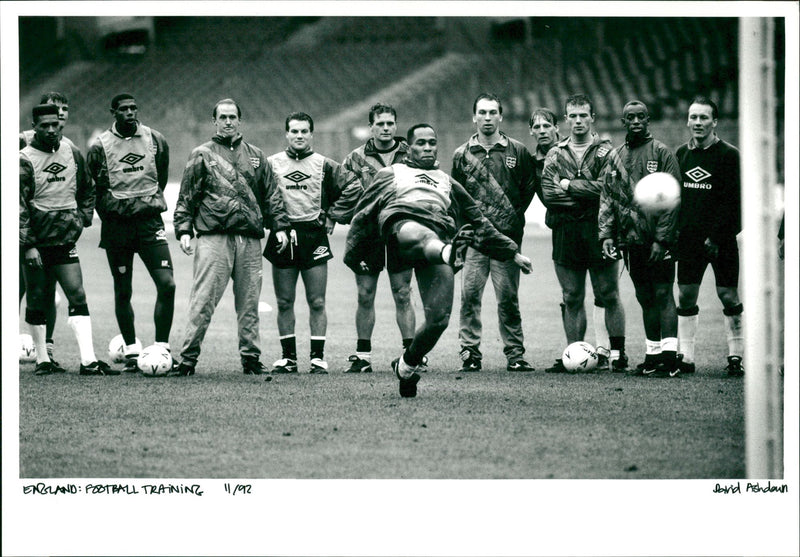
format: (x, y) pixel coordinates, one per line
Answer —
(254, 245)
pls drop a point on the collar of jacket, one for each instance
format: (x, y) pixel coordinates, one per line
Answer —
(36, 144)
(229, 142)
(694, 145)
(296, 155)
(566, 141)
(635, 141)
(115, 131)
(411, 164)
(475, 145)
(370, 149)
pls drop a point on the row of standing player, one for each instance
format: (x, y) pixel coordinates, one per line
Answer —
(490, 194)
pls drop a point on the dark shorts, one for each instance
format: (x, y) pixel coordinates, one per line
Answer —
(312, 248)
(692, 263)
(576, 246)
(58, 255)
(132, 234)
(643, 272)
(384, 257)
(154, 256)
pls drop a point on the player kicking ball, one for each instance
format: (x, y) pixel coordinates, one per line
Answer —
(415, 208)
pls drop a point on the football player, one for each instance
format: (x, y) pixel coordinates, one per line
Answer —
(710, 219)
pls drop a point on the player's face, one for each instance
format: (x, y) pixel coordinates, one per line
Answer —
(544, 132)
(701, 122)
(63, 112)
(126, 113)
(580, 119)
(47, 129)
(299, 135)
(383, 128)
(635, 119)
(423, 147)
(227, 121)
(487, 116)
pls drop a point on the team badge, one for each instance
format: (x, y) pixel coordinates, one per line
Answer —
(165, 263)
(161, 235)
(73, 252)
(511, 162)
(652, 166)
(255, 161)
(602, 152)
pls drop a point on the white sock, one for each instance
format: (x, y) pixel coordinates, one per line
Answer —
(131, 350)
(38, 333)
(669, 344)
(600, 331)
(82, 326)
(652, 346)
(733, 330)
(163, 345)
(403, 369)
(687, 330)
(364, 355)
(613, 355)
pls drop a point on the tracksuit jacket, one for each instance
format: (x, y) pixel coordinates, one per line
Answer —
(56, 198)
(620, 219)
(131, 158)
(501, 180)
(228, 188)
(428, 196)
(582, 200)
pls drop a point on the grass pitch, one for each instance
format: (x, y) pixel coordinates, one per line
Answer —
(493, 424)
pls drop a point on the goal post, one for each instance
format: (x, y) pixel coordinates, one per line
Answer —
(762, 282)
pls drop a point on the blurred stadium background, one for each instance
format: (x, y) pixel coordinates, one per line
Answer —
(334, 68)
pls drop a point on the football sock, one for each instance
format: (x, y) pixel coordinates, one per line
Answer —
(687, 331)
(669, 350)
(130, 350)
(289, 347)
(163, 345)
(51, 346)
(652, 347)
(363, 345)
(403, 369)
(733, 330)
(38, 332)
(318, 347)
(407, 342)
(82, 327)
(600, 331)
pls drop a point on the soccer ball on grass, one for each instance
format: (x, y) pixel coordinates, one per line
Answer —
(657, 192)
(116, 349)
(27, 349)
(154, 360)
(579, 357)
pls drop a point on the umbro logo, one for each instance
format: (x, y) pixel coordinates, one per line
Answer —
(698, 174)
(55, 168)
(161, 234)
(297, 176)
(131, 158)
(425, 179)
(321, 251)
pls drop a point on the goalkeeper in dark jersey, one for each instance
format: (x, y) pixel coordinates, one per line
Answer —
(414, 207)
(710, 219)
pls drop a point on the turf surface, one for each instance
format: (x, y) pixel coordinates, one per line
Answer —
(493, 424)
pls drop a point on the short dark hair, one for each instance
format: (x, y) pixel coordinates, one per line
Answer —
(381, 108)
(43, 110)
(414, 128)
(543, 112)
(226, 101)
(702, 99)
(53, 96)
(635, 102)
(302, 117)
(578, 100)
(119, 98)
(488, 97)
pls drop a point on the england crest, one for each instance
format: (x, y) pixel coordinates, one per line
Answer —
(652, 166)
(255, 161)
(511, 161)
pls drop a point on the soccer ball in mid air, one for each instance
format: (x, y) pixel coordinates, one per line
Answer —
(154, 360)
(116, 349)
(579, 356)
(657, 192)
(27, 349)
